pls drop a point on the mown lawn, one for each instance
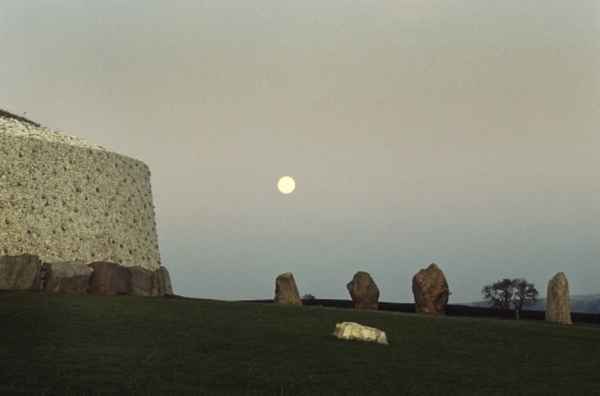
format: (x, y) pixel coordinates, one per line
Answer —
(63, 345)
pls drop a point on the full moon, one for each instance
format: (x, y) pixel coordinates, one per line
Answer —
(286, 185)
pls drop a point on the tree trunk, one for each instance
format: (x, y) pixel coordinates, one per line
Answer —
(517, 314)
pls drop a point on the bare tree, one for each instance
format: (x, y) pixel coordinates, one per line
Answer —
(505, 293)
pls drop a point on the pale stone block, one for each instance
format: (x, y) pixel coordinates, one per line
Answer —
(356, 331)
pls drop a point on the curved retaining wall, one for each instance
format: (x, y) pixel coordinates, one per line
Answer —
(64, 199)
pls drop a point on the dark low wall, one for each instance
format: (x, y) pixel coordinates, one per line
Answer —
(451, 310)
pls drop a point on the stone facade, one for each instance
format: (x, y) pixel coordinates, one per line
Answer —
(66, 200)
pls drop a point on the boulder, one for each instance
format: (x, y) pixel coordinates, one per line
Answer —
(162, 283)
(286, 291)
(20, 272)
(364, 291)
(431, 291)
(67, 277)
(142, 281)
(356, 331)
(558, 306)
(109, 279)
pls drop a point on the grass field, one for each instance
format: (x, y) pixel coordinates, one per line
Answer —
(52, 344)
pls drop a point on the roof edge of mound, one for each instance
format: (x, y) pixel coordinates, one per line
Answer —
(4, 113)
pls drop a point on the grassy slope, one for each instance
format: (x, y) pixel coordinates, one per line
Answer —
(62, 345)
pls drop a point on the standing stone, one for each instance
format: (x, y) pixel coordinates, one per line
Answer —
(162, 285)
(109, 279)
(431, 291)
(558, 307)
(20, 272)
(142, 281)
(286, 291)
(364, 291)
(68, 278)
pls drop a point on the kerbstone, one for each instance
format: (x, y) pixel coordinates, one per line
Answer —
(20, 272)
(142, 281)
(68, 278)
(109, 279)
(163, 286)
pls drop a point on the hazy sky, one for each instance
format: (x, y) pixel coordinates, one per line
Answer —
(465, 133)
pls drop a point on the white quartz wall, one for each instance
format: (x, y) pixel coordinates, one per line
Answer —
(64, 199)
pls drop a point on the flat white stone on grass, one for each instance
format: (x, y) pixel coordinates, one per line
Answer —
(356, 331)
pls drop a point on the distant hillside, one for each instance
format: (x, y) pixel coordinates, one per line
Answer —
(589, 303)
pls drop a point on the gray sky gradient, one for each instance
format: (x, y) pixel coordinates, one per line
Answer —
(465, 133)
